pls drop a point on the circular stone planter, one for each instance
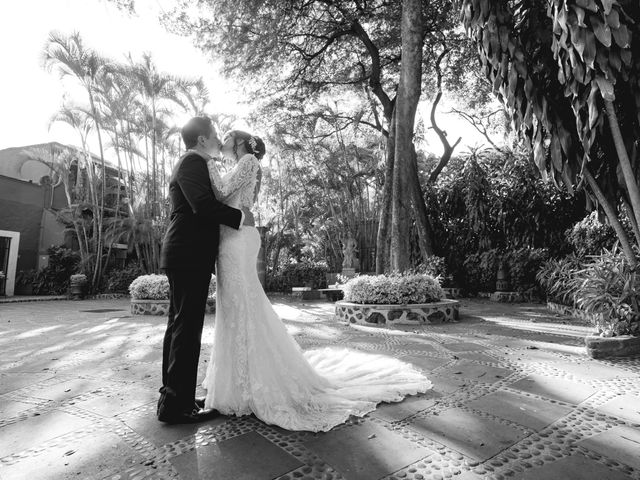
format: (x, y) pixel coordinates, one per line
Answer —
(161, 307)
(411, 314)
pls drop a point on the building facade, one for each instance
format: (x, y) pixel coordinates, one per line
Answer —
(31, 193)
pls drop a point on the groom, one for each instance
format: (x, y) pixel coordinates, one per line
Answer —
(189, 252)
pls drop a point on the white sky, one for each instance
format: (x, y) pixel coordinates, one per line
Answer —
(29, 95)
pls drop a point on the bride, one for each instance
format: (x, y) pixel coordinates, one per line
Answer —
(256, 366)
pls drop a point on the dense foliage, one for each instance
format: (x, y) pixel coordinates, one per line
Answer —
(54, 278)
(590, 236)
(559, 278)
(520, 265)
(568, 73)
(298, 274)
(606, 286)
(609, 290)
(493, 202)
(117, 280)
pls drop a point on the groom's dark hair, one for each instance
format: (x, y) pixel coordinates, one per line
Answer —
(194, 128)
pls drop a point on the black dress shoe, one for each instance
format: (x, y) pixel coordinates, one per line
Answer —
(194, 416)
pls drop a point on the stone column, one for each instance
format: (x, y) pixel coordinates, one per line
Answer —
(262, 258)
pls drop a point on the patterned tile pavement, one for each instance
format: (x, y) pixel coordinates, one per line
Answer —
(514, 397)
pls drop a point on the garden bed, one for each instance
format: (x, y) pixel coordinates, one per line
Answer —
(387, 314)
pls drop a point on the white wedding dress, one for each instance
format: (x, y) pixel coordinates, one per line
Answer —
(257, 367)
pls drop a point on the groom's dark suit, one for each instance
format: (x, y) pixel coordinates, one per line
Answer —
(189, 252)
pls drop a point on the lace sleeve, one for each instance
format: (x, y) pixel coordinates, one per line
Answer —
(216, 181)
(245, 172)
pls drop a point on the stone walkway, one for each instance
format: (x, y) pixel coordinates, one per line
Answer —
(514, 397)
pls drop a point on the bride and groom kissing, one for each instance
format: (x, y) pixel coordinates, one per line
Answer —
(256, 366)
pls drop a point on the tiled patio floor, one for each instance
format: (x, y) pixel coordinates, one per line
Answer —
(514, 397)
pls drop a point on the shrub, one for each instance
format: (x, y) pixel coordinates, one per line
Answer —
(298, 274)
(150, 287)
(590, 236)
(393, 289)
(305, 273)
(118, 280)
(522, 265)
(24, 281)
(277, 283)
(156, 287)
(481, 271)
(560, 279)
(609, 290)
(54, 278)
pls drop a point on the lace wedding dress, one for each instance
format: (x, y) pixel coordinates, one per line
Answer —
(257, 367)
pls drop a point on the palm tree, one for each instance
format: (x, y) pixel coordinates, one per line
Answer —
(155, 89)
(69, 57)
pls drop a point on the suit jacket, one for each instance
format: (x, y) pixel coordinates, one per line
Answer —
(191, 241)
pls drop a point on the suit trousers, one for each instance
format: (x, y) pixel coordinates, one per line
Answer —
(188, 291)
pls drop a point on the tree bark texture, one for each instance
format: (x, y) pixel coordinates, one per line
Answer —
(421, 216)
(406, 105)
(384, 223)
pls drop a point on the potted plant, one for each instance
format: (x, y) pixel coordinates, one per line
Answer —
(78, 285)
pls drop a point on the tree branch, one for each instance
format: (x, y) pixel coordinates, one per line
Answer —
(376, 70)
(476, 122)
(448, 148)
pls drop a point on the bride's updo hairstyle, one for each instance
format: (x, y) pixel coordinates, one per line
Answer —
(252, 143)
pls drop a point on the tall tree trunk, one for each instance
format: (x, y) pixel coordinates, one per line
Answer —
(384, 222)
(425, 232)
(98, 216)
(625, 164)
(406, 106)
(612, 215)
(154, 159)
